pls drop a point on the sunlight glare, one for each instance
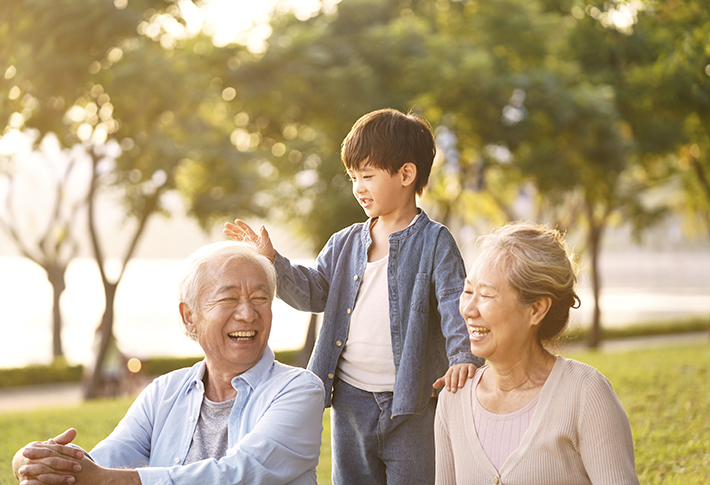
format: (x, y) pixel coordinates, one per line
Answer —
(244, 21)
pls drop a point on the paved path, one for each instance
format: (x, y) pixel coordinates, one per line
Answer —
(33, 397)
(26, 398)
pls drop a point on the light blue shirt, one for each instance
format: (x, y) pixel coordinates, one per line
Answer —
(274, 429)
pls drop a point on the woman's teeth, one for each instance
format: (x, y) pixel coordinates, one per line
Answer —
(478, 331)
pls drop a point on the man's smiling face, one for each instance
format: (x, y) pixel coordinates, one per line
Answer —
(232, 320)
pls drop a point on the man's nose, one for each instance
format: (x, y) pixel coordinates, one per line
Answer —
(245, 312)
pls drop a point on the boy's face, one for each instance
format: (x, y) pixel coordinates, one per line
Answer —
(379, 192)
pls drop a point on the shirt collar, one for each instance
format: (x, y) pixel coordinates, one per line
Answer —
(258, 372)
(251, 376)
(419, 220)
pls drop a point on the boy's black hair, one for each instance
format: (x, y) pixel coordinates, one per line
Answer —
(387, 139)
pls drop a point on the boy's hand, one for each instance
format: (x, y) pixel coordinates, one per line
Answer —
(455, 377)
(240, 231)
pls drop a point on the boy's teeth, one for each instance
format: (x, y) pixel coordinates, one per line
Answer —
(244, 335)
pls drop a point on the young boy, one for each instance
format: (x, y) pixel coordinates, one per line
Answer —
(389, 288)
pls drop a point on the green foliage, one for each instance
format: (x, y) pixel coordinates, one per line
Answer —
(40, 374)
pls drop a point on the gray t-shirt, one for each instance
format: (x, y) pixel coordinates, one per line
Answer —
(211, 434)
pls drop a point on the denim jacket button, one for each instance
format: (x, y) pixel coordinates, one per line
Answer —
(355, 277)
(330, 376)
(338, 343)
(348, 311)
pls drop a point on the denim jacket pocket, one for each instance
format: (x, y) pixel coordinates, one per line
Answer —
(421, 293)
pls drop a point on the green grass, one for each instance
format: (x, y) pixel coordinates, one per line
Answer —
(666, 393)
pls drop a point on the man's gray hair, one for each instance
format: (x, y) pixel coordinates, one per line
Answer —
(220, 253)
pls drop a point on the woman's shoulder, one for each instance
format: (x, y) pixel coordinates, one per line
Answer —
(462, 397)
(580, 375)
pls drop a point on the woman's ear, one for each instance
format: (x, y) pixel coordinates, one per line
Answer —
(408, 172)
(539, 309)
(187, 316)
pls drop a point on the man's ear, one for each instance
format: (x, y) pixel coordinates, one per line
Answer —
(187, 316)
(408, 172)
(539, 309)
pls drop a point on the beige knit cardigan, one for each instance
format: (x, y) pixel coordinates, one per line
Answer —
(579, 435)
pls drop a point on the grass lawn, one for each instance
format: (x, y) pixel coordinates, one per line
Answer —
(666, 393)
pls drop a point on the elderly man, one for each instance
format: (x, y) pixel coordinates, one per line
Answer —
(238, 416)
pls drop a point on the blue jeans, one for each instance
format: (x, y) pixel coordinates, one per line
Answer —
(371, 447)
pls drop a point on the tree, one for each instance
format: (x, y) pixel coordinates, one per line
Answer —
(497, 78)
(55, 245)
(129, 86)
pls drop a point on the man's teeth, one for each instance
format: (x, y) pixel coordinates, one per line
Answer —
(248, 335)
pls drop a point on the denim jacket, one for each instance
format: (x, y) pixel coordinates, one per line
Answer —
(425, 275)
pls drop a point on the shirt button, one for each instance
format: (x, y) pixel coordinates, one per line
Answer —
(496, 480)
(177, 460)
(348, 310)
(330, 376)
(191, 418)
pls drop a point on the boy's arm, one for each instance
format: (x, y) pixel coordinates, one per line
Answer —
(305, 288)
(448, 278)
(302, 287)
(240, 231)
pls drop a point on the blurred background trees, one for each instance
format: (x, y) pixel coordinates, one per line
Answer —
(581, 114)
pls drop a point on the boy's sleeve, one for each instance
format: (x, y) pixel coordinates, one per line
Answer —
(448, 278)
(305, 288)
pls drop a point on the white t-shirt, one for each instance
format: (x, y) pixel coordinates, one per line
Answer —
(367, 361)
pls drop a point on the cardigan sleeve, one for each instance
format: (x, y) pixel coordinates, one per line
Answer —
(605, 441)
(445, 470)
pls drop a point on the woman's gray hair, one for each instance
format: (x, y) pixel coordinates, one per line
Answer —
(537, 264)
(198, 264)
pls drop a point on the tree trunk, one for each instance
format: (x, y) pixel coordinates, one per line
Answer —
(55, 274)
(594, 239)
(305, 354)
(105, 331)
(104, 335)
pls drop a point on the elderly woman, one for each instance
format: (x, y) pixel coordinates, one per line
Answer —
(529, 416)
(238, 416)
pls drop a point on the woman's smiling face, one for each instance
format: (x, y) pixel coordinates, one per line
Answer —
(498, 324)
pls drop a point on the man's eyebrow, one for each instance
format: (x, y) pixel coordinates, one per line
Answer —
(227, 288)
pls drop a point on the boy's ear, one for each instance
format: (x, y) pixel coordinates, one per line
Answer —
(408, 172)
